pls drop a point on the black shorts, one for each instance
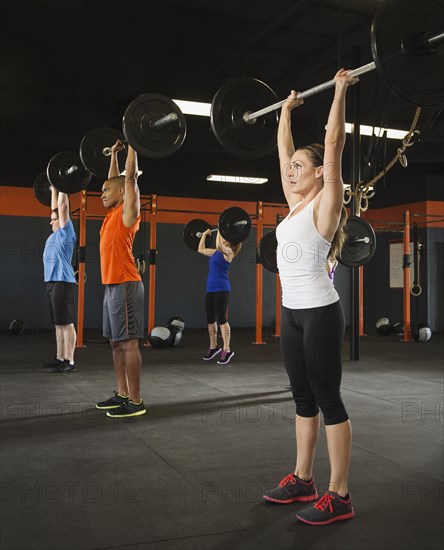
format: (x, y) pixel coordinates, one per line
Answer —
(61, 298)
(123, 311)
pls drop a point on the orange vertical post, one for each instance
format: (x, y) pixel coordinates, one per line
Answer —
(152, 260)
(361, 301)
(277, 328)
(259, 231)
(81, 294)
(406, 276)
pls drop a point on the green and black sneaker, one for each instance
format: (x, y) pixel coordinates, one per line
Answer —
(113, 402)
(127, 409)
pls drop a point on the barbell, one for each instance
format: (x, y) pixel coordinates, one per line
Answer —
(358, 249)
(42, 189)
(153, 125)
(405, 48)
(66, 172)
(234, 225)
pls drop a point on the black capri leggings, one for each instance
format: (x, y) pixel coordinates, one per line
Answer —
(311, 346)
(216, 305)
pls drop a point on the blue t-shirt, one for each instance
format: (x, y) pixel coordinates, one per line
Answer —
(58, 254)
(218, 273)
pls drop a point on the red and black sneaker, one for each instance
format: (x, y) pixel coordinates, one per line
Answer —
(331, 507)
(292, 489)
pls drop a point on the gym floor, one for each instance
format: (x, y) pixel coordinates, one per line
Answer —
(190, 473)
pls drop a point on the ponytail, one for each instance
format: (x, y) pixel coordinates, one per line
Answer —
(339, 237)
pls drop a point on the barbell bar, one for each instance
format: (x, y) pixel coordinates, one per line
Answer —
(251, 117)
(406, 54)
(234, 225)
(430, 44)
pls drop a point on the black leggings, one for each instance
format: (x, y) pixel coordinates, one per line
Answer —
(311, 345)
(216, 304)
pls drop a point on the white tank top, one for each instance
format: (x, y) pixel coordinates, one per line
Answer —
(301, 256)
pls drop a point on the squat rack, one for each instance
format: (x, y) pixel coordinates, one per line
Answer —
(405, 228)
(150, 204)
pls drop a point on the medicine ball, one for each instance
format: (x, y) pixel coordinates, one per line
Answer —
(383, 326)
(422, 332)
(177, 321)
(398, 329)
(17, 326)
(161, 337)
(176, 334)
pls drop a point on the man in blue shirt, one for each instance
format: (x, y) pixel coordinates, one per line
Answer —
(60, 282)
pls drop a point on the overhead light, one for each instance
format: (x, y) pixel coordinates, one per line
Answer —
(193, 107)
(364, 130)
(377, 131)
(237, 179)
(139, 173)
(395, 134)
(348, 186)
(204, 109)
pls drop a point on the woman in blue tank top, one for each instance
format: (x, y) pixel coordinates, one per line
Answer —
(217, 294)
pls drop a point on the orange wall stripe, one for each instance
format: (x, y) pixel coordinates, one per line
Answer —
(20, 201)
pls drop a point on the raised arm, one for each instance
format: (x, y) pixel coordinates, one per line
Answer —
(226, 251)
(114, 161)
(333, 191)
(63, 206)
(54, 193)
(286, 145)
(131, 204)
(201, 248)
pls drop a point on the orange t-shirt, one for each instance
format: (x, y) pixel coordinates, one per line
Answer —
(116, 249)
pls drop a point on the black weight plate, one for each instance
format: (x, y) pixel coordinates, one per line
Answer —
(61, 180)
(148, 141)
(190, 233)
(42, 191)
(398, 31)
(230, 228)
(92, 146)
(267, 251)
(230, 103)
(355, 251)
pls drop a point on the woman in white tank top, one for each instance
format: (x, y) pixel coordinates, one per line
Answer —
(313, 324)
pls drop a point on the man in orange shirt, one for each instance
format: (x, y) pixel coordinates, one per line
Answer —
(123, 311)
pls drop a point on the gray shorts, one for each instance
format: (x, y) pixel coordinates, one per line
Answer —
(123, 311)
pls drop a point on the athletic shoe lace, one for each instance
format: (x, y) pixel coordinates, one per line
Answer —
(324, 502)
(287, 480)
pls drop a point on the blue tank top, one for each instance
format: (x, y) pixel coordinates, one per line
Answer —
(217, 279)
(58, 254)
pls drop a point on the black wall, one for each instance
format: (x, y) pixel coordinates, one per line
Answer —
(180, 277)
(382, 301)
